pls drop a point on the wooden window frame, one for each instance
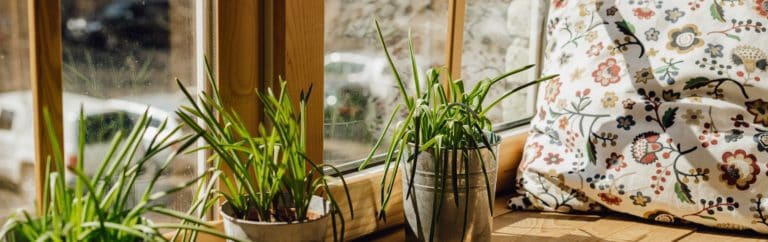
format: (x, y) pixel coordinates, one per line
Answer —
(253, 43)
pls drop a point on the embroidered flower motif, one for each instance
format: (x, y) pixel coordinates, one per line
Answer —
(615, 161)
(643, 13)
(714, 50)
(552, 90)
(659, 216)
(625, 122)
(685, 39)
(591, 36)
(761, 138)
(595, 49)
(609, 99)
(628, 103)
(739, 169)
(759, 109)
(652, 34)
(563, 123)
(644, 75)
(693, 116)
(639, 199)
(559, 3)
(645, 146)
(611, 11)
(762, 7)
(610, 199)
(673, 15)
(751, 57)
(553, 159)
(607, 72)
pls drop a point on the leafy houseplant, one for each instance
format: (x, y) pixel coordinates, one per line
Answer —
(272, 190)
(97, 208)
(447, 151)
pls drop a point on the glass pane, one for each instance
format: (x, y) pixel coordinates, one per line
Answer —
(17, 148)
(497, 39)
(119, 57)
(360, 91)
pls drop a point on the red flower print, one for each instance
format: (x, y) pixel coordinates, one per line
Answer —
(615, 161)
(552, 90)
(610, 199)
(739, 169)
(645, 146)
(553, 159)
(762, 7)
(643, 13)
(595, 49)
(607, 72)
(559, 3)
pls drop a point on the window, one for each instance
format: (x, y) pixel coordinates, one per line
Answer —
(360, 92)
(17, 150)
(499, 36)
(121, 57)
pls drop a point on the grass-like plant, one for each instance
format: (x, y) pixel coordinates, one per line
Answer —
(99, 207)
(272, 178)
(446, 120)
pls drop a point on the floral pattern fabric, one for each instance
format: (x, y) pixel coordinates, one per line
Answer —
(660, 111)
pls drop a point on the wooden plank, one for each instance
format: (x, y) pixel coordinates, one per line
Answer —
(46, 78)
(625, 228)
(364, 190)
(510, 154)
(298, 58)
(238, 57)
(455, 40)
(724, 236)
(534, 226)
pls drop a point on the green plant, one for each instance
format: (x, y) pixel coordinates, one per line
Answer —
(97, 208)
(272, 178)
(444, 120)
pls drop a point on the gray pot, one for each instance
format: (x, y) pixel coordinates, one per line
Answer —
(421, 204)
(313, 230)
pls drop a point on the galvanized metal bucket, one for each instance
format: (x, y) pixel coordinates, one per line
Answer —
(425, 196)
(313, 230)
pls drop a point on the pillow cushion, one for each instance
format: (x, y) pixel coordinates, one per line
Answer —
(660, 111)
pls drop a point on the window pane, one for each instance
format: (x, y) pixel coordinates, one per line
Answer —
(497, 39)
(119, 57)
(17, 148)
(360, 91)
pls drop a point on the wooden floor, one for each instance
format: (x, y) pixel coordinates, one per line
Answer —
(542, 227)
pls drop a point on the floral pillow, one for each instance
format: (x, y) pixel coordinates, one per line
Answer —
(660, 111)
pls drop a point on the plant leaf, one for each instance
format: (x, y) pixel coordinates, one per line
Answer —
(683, 192)
(707, 217)
(626, 27)
(733, 36)
(669, 117)
(696, 83)
(717, 12)
(591, 152)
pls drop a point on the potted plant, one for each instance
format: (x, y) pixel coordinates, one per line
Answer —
(447, 150)
(99, 207)
(275, 191)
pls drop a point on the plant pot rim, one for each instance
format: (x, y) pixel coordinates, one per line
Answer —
(494, 139)
(228, 217)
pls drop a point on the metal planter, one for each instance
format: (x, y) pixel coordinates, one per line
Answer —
(313, 230)
(425, 198)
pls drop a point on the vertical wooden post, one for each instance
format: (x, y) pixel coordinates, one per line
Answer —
(238, 57)
(45, 74)
(298, 58)
(455, 39)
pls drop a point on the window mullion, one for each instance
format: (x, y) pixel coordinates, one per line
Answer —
(455, 39)
(46, 79)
